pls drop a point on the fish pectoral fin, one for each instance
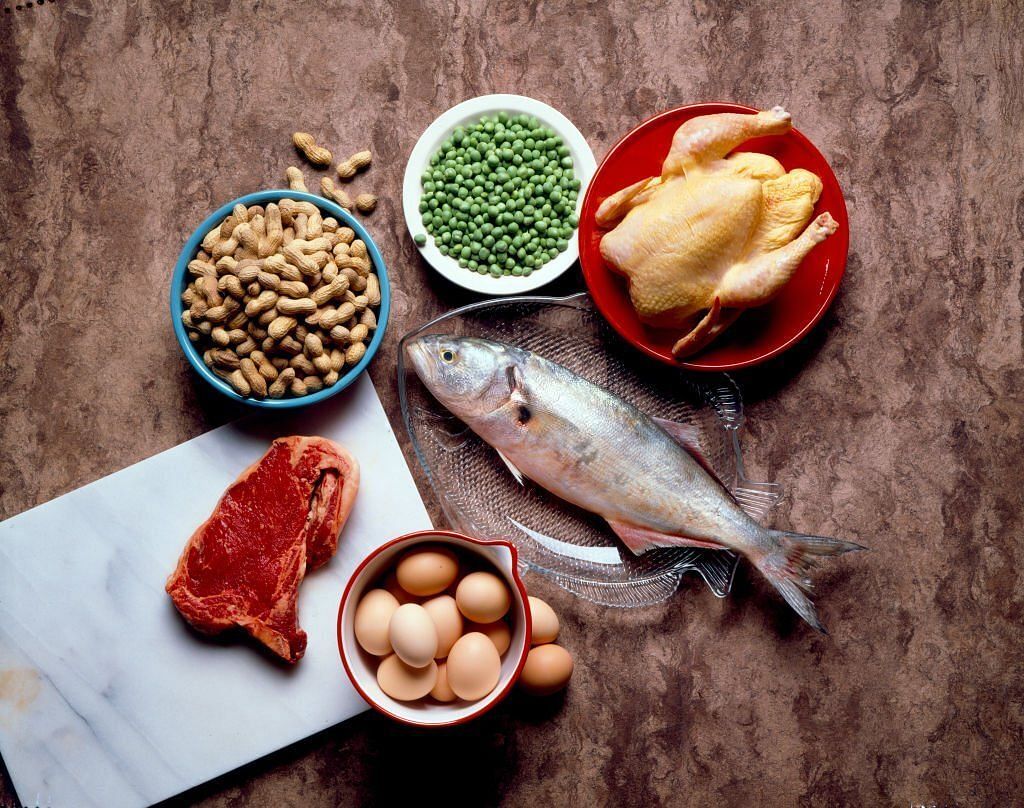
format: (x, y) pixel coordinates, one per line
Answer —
(688, 437)
(515, 383)
(517, 396)
(641, 539)
(520, 477)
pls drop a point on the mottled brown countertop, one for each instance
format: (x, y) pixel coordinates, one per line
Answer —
(897, 422)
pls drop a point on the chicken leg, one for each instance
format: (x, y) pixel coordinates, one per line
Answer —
(706, 137)
(711, 137)
(759, 280)
(711, 325)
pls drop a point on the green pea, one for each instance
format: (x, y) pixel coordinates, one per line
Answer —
(501, 195)
(420, 239)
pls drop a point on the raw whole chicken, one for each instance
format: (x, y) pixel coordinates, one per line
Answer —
(713, 235)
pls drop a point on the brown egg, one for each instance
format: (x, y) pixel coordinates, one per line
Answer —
(545, 622)
(483, 597)
(499, 633)
(372, 619)
(427, 572)
(391, 585)
(441, 691)
(547, 670)
(412, 634)
(405, 683)
(447, 620)
(474, 666)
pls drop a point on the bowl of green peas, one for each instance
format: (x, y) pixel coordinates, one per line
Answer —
(493, 191)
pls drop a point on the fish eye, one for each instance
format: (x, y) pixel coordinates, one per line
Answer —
(448, 355)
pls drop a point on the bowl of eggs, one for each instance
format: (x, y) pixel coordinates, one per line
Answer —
(434, 629)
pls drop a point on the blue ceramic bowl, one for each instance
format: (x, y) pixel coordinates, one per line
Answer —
(181, 278)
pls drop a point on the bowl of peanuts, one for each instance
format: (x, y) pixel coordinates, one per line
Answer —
(280, 299)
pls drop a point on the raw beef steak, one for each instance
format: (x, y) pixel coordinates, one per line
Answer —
(243, 566)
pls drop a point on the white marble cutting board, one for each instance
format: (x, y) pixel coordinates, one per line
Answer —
(106, 697)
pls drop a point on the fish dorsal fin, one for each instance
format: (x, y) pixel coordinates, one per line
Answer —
(688, 437)
(641, 539)
(520, 477)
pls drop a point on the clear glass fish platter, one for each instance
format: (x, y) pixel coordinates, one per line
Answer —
(573, 547)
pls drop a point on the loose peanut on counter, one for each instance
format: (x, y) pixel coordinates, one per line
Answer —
(317, 155)
(295, 179)
(365, 203)
(331, 191)
(277, 313)
(357, 162)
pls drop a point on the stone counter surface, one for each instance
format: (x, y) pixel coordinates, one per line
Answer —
(896, 423)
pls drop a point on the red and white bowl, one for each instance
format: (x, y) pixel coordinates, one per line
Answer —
(361, 667)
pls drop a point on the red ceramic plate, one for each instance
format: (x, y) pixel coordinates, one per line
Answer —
(760, 333)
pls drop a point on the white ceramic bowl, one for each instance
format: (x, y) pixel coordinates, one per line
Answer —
(361, 667)
(469, 112)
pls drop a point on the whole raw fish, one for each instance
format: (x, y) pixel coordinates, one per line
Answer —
(601, 453)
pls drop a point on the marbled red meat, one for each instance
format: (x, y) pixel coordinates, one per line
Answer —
(244, 564)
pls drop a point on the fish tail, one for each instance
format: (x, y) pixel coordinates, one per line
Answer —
(788, 564)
